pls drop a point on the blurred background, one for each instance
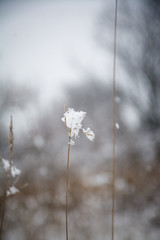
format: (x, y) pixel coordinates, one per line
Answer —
(61, 52)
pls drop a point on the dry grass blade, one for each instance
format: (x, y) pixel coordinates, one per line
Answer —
(67, 180)
(72, 120)
(114, 122)
(8, 175)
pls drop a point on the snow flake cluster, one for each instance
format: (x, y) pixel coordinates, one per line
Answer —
(14, 171)
(12, 190)
(73, 121)
(89, 134)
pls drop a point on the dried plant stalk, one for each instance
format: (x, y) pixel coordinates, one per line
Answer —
(67, 180)
(114, 122)
(72, 120)
(11, 138)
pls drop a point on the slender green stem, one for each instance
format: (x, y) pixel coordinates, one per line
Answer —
(113, 133)
(67, 180)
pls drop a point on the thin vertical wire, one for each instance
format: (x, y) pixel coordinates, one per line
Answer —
(113, 133)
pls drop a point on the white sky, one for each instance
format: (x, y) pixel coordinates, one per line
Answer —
(46, 44)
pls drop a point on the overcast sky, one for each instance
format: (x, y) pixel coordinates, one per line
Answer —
(47, 44)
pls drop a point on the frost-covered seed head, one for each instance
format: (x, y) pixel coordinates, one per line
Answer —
(73, 121)
(89, 134)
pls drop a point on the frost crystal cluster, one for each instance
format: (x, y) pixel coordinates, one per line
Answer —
(14, 171)
(89, 134)
(73, 121)
(12, 190)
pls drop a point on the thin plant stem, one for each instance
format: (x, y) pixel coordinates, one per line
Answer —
(11, 138)
(8, 175)
(113, 132)
(2, 215)
(67, 180)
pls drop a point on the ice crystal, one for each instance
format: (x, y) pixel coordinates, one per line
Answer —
(6, 164)
(14, 171)
(89, 134)
(117, 125)
(73, 121)
(71, 142)
(12, 190)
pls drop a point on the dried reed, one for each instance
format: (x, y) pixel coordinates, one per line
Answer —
(114, 122)
(11, 138)
(67, 180)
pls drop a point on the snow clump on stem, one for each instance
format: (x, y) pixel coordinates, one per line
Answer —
(12, 190)
(73, 121)
(14, 171)
(89, 134)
